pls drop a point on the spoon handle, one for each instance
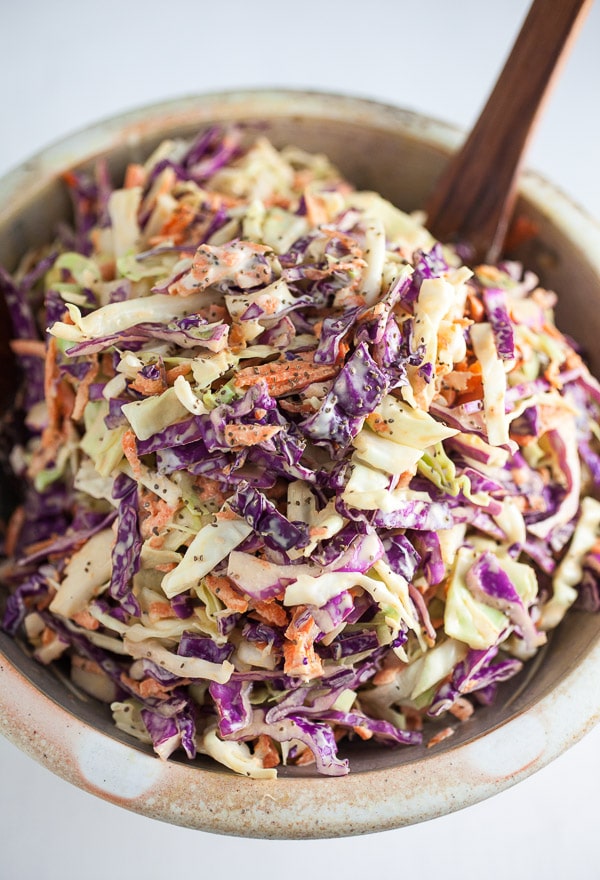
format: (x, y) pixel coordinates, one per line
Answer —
(474, 199)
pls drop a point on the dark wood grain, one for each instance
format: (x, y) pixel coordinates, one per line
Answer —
(474, 199)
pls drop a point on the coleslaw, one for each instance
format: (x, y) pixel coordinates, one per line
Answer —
(291, 472)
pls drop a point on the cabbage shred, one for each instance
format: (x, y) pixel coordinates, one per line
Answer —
(292, 472)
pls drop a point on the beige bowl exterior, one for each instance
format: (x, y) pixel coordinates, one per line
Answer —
(551, 706)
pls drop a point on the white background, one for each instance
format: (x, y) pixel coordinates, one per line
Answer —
(65, 64)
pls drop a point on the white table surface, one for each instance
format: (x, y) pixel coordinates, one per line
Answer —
(65, 64)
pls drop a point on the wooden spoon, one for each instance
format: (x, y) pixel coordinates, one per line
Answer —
(474, 199)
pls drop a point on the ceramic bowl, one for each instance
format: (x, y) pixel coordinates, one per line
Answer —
(536, 717)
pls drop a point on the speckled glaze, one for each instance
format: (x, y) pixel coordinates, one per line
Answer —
(537, 716)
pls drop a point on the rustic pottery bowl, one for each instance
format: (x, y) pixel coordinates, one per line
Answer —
(536, 717)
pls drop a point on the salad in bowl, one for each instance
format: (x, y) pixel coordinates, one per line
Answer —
(292, 473)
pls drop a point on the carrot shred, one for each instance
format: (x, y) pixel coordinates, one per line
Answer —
(178, 224)
(32, 347)
(166, 566)
(265, 750)
(363, 732)
(86, 665)
(129, 444)
(284, 377)
(50, 381)
(135, 175)
(269, 611)
(147, 386)
(179, 370)
(316, 208)
(48, 636)
(208, 489)
(385, 676)
(149, 687)
(83, 391)
(461, 709)
(249, 435)
(13, 530)
(155, 514)
(475, 308)
(298, 652)
(305, 757)
(223, 589)
(440, 736)
(85, 620)
(160, 611)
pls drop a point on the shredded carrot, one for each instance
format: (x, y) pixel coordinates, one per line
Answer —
(550, 417)
(249, 435)
(51, 441)
(461, 709)
(87, 665)
(377, 424)
(300, 624)
(217, 200)
(475, 308)
(178, 224)
(306, 407)
(70, 178)
(223, 589)
(32, 347)
(304, 758)
(156, 541)
(129, 444)
(36, 546)
(552, 374)
(440, 736)
(59, 396)
(236, 337)
(50, 381)
(160, 611)
(354, 249)
(179, 370)
(155, 514)
(474, 392)
(277, 200)
(208, 489)
(363, 732)
(83, 390)
(85, 620)
(108, 367)
(284, 377)
(302, 178)
(265, 750)
(48, 636)
(214, 313)
(385, 676)
(148, 387)
(135, 175)
(226, 514)
(108, 268)
(298, 651)
(13, 530)
(316, 208)
(412, 718)
(348, 298)
(269, 611)
(149, 687)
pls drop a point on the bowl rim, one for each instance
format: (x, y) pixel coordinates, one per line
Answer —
(293, 807)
